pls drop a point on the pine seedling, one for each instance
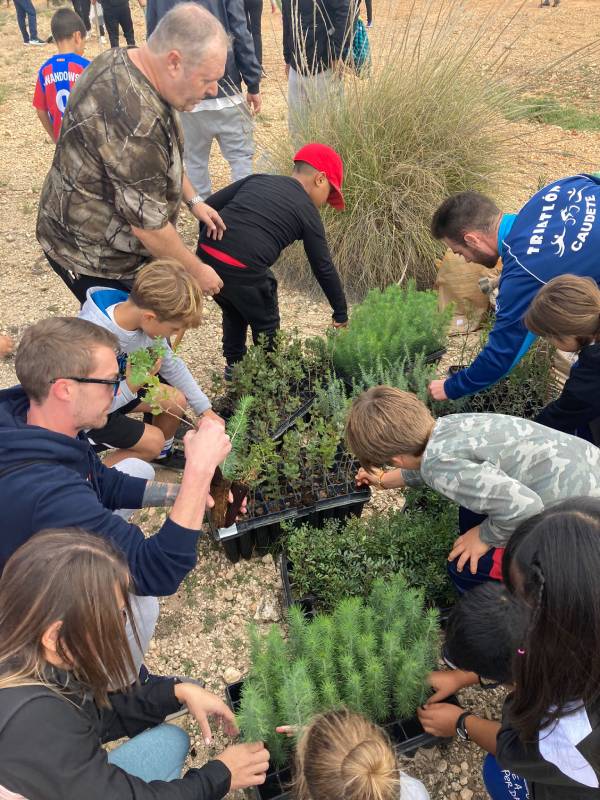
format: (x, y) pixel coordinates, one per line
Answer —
(376, 688)
(276, 655)
(346, 618)
(353, 690)
(391, 655)
(297, 628)
(255, 715)
(409, 687)
(297, 697)
(366, 648)
(238, 430)
(320, 648)
(329, 694)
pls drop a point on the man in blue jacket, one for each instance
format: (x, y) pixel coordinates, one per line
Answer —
(555, 233)
(226, 117)
(52, 478)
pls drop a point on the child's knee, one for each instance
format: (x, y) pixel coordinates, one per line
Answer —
(151, 444)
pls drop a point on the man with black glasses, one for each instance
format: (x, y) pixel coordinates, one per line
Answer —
(51, 477)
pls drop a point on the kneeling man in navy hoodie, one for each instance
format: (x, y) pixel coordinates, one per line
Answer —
(52, 478)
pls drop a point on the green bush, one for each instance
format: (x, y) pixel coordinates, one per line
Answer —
(430, 121)
(370, 655)
(391, 325)
(344, 559)
(525, 391)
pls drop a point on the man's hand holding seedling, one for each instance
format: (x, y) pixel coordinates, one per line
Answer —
(469, 547)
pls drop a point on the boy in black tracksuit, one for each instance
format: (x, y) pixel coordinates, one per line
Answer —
(263, 214)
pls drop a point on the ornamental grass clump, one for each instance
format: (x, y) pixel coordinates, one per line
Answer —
(428, 122)
(396, 324)
(345, 558)
(370, 655)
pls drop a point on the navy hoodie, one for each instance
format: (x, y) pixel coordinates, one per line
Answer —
(69, 486)
(557, 232)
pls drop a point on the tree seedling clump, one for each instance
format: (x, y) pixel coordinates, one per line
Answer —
(344, 558)
(394, 324)
(370, 654)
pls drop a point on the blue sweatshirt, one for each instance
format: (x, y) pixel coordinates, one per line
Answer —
(67, 485)
(557, 232)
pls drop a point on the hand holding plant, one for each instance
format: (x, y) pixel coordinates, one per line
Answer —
(248, 764)
(206, 447)
(436, 390)
(439, 719)
(469, 547)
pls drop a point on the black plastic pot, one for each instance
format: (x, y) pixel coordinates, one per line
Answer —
(406, 735)
(258, 533)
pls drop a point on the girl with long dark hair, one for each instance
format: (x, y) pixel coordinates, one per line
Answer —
(548, 745)
(65, 664)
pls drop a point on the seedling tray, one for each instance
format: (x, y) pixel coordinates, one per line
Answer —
(258, 533)
(406, 735)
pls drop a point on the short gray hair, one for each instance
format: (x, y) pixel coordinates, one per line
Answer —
(190, 29)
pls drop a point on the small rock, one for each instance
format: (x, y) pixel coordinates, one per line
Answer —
(10, 237)
(463, 780)
(268, 559)
(228, 595)
(267, 611)
(464, 767)
(466, 794)
(442, 766)
(232, 675)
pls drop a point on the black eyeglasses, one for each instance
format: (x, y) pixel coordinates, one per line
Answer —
(104, 381)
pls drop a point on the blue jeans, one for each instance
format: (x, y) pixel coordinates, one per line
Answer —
(25, 9)
(502, 784)
(157, 754)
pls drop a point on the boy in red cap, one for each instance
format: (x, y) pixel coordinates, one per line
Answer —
(263, 214)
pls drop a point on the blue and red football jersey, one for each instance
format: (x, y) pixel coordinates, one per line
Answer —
(55, 81)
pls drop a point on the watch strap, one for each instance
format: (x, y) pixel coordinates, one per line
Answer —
(461, 728)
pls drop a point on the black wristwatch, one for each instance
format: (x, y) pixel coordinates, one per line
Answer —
(461, 728)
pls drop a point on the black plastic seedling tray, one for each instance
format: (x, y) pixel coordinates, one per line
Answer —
(407, 737)
(258, 533)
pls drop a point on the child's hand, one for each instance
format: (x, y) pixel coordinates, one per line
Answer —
(469, 547)
(365, 477)
(287, 730)
(6, 345)
(447, 682)
(439, 719)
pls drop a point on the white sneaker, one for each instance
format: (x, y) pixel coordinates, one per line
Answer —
(36, 42)
(103, 40)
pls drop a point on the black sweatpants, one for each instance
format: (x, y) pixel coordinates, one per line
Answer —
(115, 16)
(82, 8)
(253, 304)
(254, 10)
(79, 284)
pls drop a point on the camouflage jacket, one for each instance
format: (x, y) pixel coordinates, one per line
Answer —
(118, 163)
(505, 467)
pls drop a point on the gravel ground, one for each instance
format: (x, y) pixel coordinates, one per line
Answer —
(202, 629)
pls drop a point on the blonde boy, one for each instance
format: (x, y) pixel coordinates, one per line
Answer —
(165, 299)
(505, 468)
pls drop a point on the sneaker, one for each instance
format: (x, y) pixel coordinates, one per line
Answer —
(369, 24)
(36, 42)
(228, 373)
(545, 3)
(103, 40)
(175, 459)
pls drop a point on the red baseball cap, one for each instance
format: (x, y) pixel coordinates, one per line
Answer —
(326, 160)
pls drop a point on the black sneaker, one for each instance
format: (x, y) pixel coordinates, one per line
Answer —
(228, 373)
(174, 460)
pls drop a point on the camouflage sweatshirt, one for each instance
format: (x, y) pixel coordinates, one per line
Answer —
(505, 467)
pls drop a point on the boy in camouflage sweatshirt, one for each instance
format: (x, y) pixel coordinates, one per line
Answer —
(503, 467)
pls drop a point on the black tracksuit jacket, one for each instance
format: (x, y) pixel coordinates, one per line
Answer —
(50, 746)
(316, 33)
